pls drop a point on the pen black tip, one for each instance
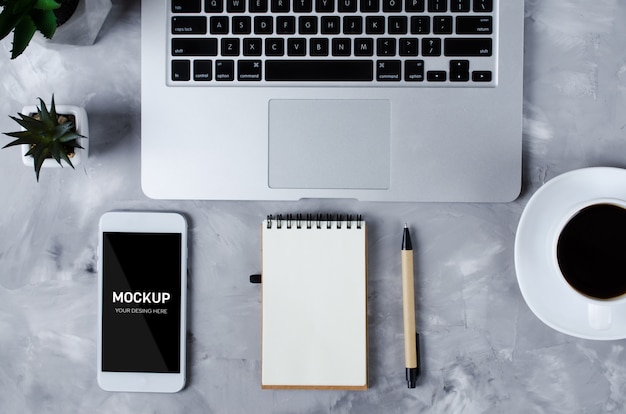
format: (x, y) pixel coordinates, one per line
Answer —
(406, 239)
(411, 377)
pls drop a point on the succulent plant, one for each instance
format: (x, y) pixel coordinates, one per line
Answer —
(49, 135)
(24, 18)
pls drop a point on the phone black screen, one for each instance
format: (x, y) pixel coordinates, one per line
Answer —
(141, 302)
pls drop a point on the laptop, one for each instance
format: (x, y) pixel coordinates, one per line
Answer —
(374, 100)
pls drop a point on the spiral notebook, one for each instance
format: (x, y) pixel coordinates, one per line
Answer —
(314, 303)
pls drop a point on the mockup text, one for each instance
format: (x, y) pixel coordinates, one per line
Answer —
(141, 297)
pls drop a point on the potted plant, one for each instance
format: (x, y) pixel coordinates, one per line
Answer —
(25, 17)
(51, 138)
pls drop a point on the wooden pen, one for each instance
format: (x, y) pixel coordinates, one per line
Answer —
(411, 338)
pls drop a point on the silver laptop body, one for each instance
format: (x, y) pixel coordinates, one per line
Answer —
(393, 123)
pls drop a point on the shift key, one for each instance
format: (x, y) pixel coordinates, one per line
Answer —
(462, 46)
(194, 47)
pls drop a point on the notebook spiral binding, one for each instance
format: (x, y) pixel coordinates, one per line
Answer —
(318, 220)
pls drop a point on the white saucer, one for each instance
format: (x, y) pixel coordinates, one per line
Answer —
(543, 288)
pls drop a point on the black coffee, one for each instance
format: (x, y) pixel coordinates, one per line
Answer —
(591, 251)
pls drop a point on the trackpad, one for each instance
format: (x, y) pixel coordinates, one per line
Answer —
(322, 144)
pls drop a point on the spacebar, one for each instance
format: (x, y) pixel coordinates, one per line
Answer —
(319, 70)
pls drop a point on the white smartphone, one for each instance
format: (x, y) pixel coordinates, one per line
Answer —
(142, 275)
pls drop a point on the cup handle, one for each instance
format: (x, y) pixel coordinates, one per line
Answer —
(599, 316)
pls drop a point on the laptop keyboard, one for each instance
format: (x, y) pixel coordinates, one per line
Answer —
(335, 42)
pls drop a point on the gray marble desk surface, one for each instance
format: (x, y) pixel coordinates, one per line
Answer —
(484, 351)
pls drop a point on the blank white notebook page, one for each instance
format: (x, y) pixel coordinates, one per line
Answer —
(314, 283)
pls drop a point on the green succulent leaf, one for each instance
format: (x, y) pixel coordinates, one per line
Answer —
(53, 108)
(45, 21)
(66, 159)
(74, 143)
(46, 5)
(22, 35)
(20, 141)
(70, 137)
(8, 21)
(44, 115)
(30, 124)
(59, 131)
(21, 6)
(55, 150)
(39, 153)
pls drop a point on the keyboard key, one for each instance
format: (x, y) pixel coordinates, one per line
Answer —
(420, 25)
(352, 25)
(397, 25)
(258, 6)
(459, 76)
(319, 70)
(460, 6)
(483, 6)
(194, 47)
(214, 6)
(242, 25)
(249, 70)
(280, 6)
(230, 46)
(341, 46)
(263, 25)
(302, 6)
(442, 25)
(436, 76)
(388, 70)
(392, 6)
(181, 70)
(202, 70)
(219, 25)
(274, 46)
(252, 46)
(224, 70)
(414, 6)
(437, 6)
(474, 25)
(408, 47)
(460, 46)
(386, 46)
(285, 25)
(307, 25)
(347, 6)
(186, 6)
(364, 47)
(414, 70)
(431, 47)
(459, 65)
(319, 46)
(296, 47)
(375, 25)
(330, 25)
(370, 6)
(324, 6)
(189, 25)
(235, 6)
(481, 76)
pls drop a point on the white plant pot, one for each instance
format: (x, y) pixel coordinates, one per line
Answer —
(82, 127)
